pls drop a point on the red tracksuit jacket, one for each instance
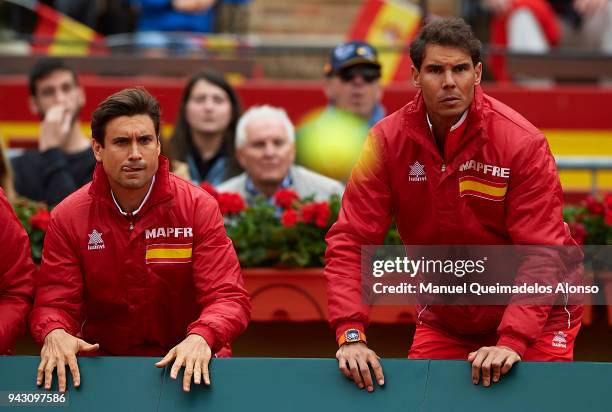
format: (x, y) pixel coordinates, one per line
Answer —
(401, 173)
(140, 290)
(16, 277)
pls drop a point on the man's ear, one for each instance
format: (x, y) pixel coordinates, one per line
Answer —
(416, 81)
(240, 157)
(292, 152)
(329, 89)
(81, 97)
(97, 149)
(34, 109)
(379, 92)
(478, 72)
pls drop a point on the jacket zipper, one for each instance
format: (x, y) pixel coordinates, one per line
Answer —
(443, 168)
(131, 220)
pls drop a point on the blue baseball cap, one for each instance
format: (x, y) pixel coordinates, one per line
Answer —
(350, 54)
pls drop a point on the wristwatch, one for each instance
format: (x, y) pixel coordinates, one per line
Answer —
(351, 336)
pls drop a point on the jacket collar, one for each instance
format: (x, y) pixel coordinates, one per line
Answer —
(415, 118)
(100, 187)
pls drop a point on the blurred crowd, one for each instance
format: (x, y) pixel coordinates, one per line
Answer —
(252, 153)
(109, 17)
(260, 151)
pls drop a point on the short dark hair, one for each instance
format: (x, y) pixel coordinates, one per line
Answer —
(44, 67)
(445, 32)
(127, 102)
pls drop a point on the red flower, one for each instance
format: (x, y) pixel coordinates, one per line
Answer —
(578, 232)
(230, 203)
(594, 207)
(210, 189)
(608, 200)
(315, 212)
(289, 218)
(40, 219)
(285, 198)
(323, 214)
(309, 212)
(608, 217)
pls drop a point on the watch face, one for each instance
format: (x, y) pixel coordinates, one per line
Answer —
(352, 335)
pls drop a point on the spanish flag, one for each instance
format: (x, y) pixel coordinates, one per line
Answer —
(168, 253)
(385, 24)
(59, 35)
(475, 186)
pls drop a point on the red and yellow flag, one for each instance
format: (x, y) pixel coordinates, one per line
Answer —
(386, 24)
(475, 186)
(168, 253)
(60, 35)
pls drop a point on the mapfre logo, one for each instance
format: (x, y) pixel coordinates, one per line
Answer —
(417, 172)
(95, 241)
(168, 232)
(559, 340)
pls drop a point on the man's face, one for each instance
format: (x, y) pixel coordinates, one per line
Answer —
(355, 89)
(130, 152)
(267, 153)
(447, 78)
(209, 109)
(59, 88)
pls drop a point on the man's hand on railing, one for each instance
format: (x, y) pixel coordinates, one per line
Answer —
(494, 361)
(194, 354)
(60, 349)
(355, 360)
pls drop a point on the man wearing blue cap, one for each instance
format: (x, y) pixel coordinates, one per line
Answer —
(353, 81)
(354, 93)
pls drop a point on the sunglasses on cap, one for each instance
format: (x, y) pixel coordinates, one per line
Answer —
(368, 73)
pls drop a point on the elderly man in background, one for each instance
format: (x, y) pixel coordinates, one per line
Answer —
(265, 147)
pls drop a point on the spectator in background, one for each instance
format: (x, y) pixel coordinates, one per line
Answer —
(202, 146)
(354, 94)
(157, 18)
(353, 81)
(537, 26)
(16, 273)
(176, 15)
(64, 160)
(265, 147)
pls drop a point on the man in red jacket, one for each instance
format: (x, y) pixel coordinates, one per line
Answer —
(16, 277)
(137, 262)
(414, 167)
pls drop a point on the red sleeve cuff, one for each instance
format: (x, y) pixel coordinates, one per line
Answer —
(40, 339)
(342, 327)
(517, 344)
(208, 334)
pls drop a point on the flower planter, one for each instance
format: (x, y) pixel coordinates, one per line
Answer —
(299, 295)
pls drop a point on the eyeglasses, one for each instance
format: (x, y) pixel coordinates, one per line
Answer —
(369, 74)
